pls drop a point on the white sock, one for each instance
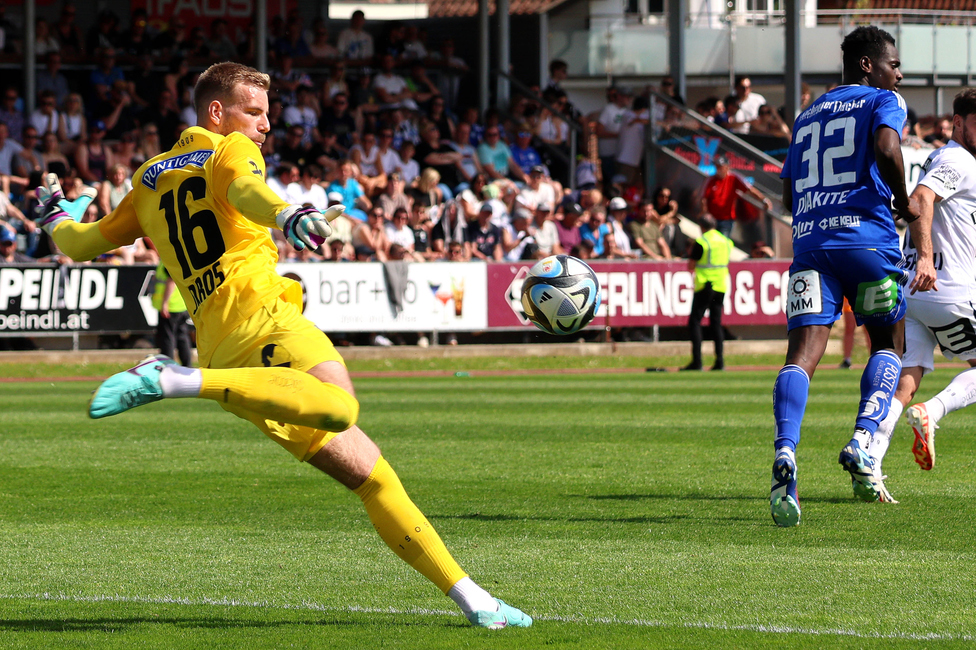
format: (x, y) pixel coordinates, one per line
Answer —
(471, 598)
(180, 381)
(862, 438)
(787, 451)
(960, 393)
(882, 437)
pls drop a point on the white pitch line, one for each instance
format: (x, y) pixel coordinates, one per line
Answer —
(309, 606)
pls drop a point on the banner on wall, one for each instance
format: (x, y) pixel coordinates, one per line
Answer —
(239, 14)
(440, 296)
(48, 299)
(640, 294)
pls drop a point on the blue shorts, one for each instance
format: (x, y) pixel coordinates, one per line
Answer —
(872, 280)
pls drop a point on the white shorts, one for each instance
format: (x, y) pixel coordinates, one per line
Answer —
(951, 326)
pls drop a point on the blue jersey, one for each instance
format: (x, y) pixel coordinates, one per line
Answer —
(839, 198)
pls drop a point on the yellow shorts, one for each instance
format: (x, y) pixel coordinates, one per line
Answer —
(278, 334)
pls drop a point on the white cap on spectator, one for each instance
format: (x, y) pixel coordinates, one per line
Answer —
(617, 203)
(334, 197)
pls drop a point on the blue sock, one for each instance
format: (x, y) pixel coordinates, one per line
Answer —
(789, 404)
(878, 384)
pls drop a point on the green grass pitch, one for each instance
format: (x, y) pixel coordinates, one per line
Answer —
(620, 510)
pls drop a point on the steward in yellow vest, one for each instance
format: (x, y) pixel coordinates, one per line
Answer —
(709, 261)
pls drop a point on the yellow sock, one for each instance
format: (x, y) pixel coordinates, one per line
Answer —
(282, 394)
(405, 529)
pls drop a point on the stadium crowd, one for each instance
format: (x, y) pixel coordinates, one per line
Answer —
(381, 131)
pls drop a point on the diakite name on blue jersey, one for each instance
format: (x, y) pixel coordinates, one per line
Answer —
(194, 158)
(819, 199)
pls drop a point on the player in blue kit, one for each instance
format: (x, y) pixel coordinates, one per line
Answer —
(841, 173)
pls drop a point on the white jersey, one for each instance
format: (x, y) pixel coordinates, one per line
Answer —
(950, 172)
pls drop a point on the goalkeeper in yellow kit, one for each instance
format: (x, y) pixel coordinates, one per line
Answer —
(207, 208)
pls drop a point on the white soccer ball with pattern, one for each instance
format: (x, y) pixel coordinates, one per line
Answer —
(561, 294)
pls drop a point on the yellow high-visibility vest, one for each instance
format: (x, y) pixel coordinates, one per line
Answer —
(714, 263)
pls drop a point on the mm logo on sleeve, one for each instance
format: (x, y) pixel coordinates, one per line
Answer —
(878, 297)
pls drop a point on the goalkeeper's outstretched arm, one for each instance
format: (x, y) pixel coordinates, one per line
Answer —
(59, 218)
(302, 226)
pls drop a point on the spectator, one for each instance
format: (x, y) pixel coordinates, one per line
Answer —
(67, 32)
(340, 251)
(372, 235)
(392, 41)
(760, 251)
(354, 42)
(309, 191)
(470, 200)
(148, 145)
(770, 123)
(28, 159)
(630, 148)
(174, 43)
(304, 112)
(293, 43)
(335, 84)
(104, 36)
(295, 149)
(439, 155)
(220, 45)
(438, 115)
(285, 80)
(470, 117)
(942, 133)
(669, 89)
(353, 197)
(413, 44)
(421, 226)
(519, 239)
(420, 85)
(8, 149)
(909, 139)
(105, 75)
(337, 119)
(720, 194)
(598, 232)
(75, 124)
(409, 168)
(470, 164)
(496, 157)
(136, 41)
(11, 115)
(118, 114)
(398, 230)
(391, 89)
(550, 127)
(52, 160)
(13, 220)
(113, 190)
(665, 215)
(429, 190)
(388, 157)
(404, 128)
(320, 47)
(452, 68)
(366, 156)
(197, 46)
(145, 84)
(483, 239)
(286, 175)
(748, 111)
(92, 158)
(608, 126)
(523, 153)
(51, 80)
(646, 235)
(568, 226)
(558, 71)
(450, 228)
(393, 197)
(175, 79)
(166, 116)
(538, 190)
(8, 249)
(545, 232)
(726, 120)
(616, 215)
(712, 109)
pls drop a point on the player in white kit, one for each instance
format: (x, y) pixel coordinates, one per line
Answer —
(945, 316)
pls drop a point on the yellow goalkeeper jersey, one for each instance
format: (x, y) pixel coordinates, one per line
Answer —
(222, 262)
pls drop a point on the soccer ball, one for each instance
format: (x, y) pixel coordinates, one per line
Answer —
(561, 294)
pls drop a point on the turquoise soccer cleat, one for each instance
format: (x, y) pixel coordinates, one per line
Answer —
(861, 468)
(126, 390)
(506, 616)
(784, 502)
